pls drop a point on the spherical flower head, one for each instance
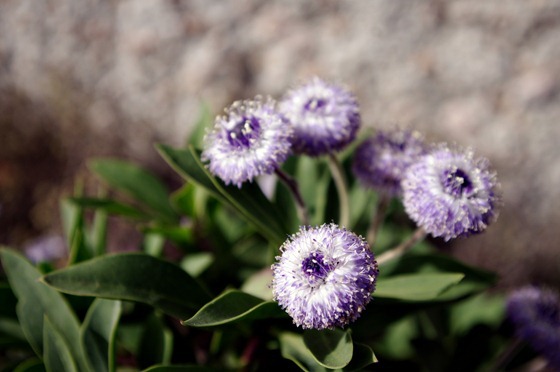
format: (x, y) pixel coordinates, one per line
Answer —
(535, 313)
(380, 161)
(324, 277)
(250, 140)
(325, 117)
(449, 193)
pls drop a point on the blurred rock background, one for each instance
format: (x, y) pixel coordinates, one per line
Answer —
(109, 77)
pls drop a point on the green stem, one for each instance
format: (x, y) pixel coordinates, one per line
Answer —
(292, 185)
(342, 188)
(402, 248)
(380, 211)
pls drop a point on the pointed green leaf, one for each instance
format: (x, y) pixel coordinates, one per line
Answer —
(35, 300)
(56, 353)
(362, 357)
(110, 206)
(135, 277)
(232, 306)
(73, 223)
(293, 348)
(249, 201)
(416, 287)
(331, 348)
(98, 334)
(137, 182)
(475, 280)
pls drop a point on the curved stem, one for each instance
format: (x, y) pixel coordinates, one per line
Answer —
(380, 211)
(292, 185)
(342, 188)
(402, 248)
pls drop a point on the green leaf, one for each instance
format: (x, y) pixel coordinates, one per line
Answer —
(203, 122)
(156, 343)
(475, 280)
(196, 263)
(110, 206)
(152, 244)
(137, 182)
(232, 306)
(35, 300)
(258, 284)
(178, 234)
(293, 348)
(331, 348)
(98, 334)
(416, 287)
(98, 233)
(362, 357)
(135, 277)
(480, 309)
(73, 224)
(56, 353)
(249, 201)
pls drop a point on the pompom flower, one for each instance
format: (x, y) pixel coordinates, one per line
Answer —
(324, 277)
(250, 140)
(380, 161)
(536, 315)
(449, 193)
(325, 117)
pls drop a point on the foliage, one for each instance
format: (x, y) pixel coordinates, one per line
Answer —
(212, 308)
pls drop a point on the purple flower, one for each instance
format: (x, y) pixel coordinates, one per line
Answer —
(536, 315)
(325, 117)
(46, 248)
(451, 194)
(250, 140)
(324, 277)
(380, 161)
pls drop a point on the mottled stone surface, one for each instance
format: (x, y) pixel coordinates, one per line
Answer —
(484, 73)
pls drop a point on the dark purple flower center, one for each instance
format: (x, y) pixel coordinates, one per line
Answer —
(315, 104)
(456, 182)
(315, 266)
(246, 129)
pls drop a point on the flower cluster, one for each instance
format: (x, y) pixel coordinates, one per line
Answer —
(535, 313)
(324, 277)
